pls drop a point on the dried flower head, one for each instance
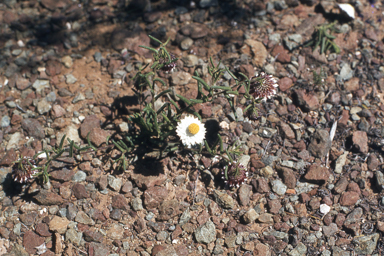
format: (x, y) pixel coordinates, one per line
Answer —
(168, 67)
(236, 174)
(191, 131)
(263, 86)
(23, 170)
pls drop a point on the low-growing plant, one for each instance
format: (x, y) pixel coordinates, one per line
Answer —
(323, 37)
(167, 121)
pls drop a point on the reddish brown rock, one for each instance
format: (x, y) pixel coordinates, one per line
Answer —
(352, 85)
(286, 131)
(79, 191)
(281, 54)
(308, 101)
(9, 158)
(261, 185)
(168, 209)
(154, 196)
(43, 229)
(285, 83)
(88, 124)
(274, 206)
(288, 176)
(360, 141)
(343, 122)
(317, 173)
(31, 240)
(46, 197)
(120, 202)
(98, 136)
(349, 198)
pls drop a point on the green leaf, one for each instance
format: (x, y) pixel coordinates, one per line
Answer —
(163, 92)
(225, 88)
(149, 48)
(155, 39)
(187, 101)
(89, 142)
(206, 87)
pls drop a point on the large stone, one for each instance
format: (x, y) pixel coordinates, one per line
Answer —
(206, 233)
(320, 143)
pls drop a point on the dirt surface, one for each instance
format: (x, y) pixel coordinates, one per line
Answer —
(66, 69)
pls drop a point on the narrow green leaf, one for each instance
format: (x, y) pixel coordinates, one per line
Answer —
(149, 48)
(155, 39)
(206, 87)
(89, 142)
(225, 88)
(187, 101)
(62, 142)
(208, 148)
(163, 92)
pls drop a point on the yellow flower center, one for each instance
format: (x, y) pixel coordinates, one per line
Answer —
(193, 128)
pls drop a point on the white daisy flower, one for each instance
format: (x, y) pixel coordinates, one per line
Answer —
(191, 131)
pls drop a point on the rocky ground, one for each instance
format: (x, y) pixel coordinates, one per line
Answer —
(64, 70)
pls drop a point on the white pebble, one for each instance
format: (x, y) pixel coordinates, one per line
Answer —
(324, 209)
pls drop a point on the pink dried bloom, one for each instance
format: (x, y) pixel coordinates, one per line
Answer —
(236, 174)
(23, 170)
(168, 67)
(263, 86)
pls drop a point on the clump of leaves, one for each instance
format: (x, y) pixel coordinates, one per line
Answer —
(26, 169)
(323, 37)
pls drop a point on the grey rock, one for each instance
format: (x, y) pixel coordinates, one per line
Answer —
(51, 97)
(379, 178)
(78, 97)
(266, 132)
(304, 187)
(354, 216)
(137, 204)
(279, 235)
(186, 43)
(14, 140)
(40, 85)
(346, 72)
(73, 236)
(366, 244)
(185, 217)
(240, 114)
(10, 104)
(278, 187)
(79, 176)
(83, 218)
(250, 216)
(43, 106)
(70, 79)
(224, 200)
(206, 233)
(180, 78)
(162, 235)
(330, 230)
(300, 250)
(190, 60)
(97, 56)
(275, 37)
(71, 212)
(114, 183)
(337, 251)
(5, 121)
